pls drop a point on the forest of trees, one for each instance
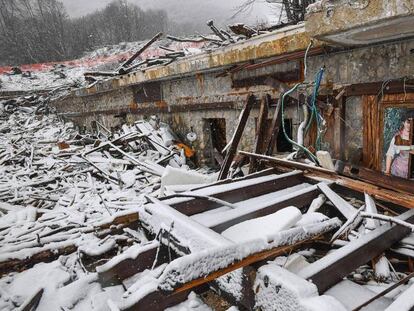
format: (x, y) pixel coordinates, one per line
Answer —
(35, 31)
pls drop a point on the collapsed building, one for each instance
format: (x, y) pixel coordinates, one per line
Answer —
(364, 57)
(314, 234)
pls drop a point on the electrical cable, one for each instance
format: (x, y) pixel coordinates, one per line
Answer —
(307, 151)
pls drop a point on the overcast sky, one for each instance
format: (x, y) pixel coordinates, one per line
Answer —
(185, 10)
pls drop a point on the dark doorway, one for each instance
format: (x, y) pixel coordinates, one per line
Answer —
(283, 145)
(216, 139)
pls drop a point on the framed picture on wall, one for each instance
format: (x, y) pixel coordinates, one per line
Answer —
(397, 140)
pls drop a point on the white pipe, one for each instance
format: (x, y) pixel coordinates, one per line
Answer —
(302, 126)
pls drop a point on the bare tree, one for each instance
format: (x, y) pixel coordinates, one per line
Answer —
(33, 31)
(293, 10)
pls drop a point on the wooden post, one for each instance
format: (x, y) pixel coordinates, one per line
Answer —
(231, 152)
(274, 128)
(339, 129)
(411, 155)
(259, 144)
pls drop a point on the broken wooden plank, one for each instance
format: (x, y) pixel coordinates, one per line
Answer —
(231, 152)
(33, 301)
(332, 268)
(139, 52)
(47, 255)
(135, 260)
(343, 206)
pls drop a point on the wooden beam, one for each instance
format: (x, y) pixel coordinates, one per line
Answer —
(300, 201)
(332, 268)
(158, 301)
(318, 174)
(196, 206)
(260, 140)
(374, 88)
(380, 179)
(231, 152)
(139, 52)
(343, 206)
(274, 128)
(131, 265)
(275, 252)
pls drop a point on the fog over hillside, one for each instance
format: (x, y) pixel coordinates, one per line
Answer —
(187, 11)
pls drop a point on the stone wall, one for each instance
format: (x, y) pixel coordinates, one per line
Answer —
(368, 64)
(187, 102)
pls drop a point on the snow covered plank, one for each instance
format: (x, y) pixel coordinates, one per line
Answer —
(238, 191)
(343, 206)
(265, 172)
(181, 233)
(123, 218)
(135, 260)
(404, 302)
(46, 254)
(300, 199)
(192, 271)
(332, 268)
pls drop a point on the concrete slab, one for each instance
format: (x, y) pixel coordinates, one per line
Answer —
(360, 22)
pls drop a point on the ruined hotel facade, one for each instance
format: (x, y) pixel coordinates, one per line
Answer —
(366, 49)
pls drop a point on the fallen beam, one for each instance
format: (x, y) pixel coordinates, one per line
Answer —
(386, 181)
(233, 195)
(299, 200)
(192, 271)
(332, 268)
(231, 152)
(135, 260)
(139, 52)
(318, 174)
(343, 206)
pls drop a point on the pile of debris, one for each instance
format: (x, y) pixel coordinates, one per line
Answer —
(67, 193)
(115, 220)
(124, 58)
(219, 38)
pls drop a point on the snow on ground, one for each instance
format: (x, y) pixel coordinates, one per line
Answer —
(49, 76)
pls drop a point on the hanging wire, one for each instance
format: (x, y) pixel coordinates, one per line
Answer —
(305, 71)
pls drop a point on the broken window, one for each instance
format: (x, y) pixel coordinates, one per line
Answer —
(148, 92)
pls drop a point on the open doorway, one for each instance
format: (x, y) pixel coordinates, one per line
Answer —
(215, 130)
(283, 145)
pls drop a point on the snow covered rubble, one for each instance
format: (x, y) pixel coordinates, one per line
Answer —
(63, 192)
(69, 205)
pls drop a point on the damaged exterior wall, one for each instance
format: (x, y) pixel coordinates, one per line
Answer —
(360, 22)
(218, 90)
